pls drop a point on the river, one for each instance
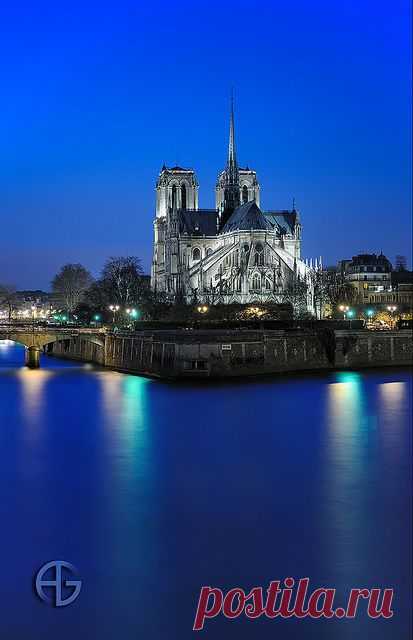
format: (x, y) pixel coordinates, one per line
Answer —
(155, 489)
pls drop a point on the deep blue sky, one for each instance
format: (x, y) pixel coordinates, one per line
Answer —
(97, 95)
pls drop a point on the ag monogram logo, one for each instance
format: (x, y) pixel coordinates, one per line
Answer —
(51, 577)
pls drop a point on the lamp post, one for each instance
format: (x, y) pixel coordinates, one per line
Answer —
(133, 314)
(114, 308)
(369, 314)
(392, 308)
(344, 309)
(203, 309)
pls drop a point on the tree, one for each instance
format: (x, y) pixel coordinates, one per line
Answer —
(7, 298)
(331, 289)
(295, 293)
(71, 283)
(121, 281)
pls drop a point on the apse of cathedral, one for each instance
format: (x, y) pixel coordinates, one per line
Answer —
(235, 253)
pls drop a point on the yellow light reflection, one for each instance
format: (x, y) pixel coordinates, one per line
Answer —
(392, 406)
(32, 384)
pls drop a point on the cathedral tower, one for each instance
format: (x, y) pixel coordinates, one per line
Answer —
(176, 188)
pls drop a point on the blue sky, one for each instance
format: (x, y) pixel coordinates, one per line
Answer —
(97, 96)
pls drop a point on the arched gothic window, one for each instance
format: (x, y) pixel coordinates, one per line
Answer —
(259, 255)
(174, 197)
(256, 282)
(244, 194)
(196, 254)
(209, 251)
(183, 197)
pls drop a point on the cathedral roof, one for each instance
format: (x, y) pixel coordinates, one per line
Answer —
(284, 221)
(198, 222)
(176, 169)
(247, 216)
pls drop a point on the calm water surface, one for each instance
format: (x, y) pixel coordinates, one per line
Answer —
(153, 490)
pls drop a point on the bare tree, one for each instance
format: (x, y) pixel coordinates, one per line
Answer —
(71, 283)
(121, 283)
(295, 293)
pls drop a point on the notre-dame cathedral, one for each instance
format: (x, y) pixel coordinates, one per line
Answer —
(234, 253)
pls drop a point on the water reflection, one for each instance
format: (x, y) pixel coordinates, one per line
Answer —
(346, 424)
(33, 391)
(5, 345)
(155, 489)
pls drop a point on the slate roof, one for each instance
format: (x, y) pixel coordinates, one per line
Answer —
(203, 222)
(176, 168)
(247, 216)
(200, 222)
(284, 221)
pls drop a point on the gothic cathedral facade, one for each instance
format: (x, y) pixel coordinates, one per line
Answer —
(235, 253)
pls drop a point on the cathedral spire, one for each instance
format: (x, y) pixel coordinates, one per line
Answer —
(232, 198)
(232, 157)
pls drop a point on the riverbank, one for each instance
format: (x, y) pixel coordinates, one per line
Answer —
(223, 354)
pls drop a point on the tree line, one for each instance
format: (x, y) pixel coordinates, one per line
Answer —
(123, 284)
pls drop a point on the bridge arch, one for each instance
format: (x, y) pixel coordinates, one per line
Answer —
(37, 339)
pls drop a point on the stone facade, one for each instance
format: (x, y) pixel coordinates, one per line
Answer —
(234, 253)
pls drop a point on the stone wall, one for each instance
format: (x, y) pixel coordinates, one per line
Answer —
(78, 349)
(197, 354)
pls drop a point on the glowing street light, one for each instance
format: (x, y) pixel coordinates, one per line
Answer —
(133, 313)
(202, 309)
(114, 308)
(344, 310)
(392, 308)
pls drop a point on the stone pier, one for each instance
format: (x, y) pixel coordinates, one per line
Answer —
(32, 357)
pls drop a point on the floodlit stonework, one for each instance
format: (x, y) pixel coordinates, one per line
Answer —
(236, 253)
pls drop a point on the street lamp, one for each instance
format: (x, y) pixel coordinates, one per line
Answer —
(133, 314)
(202, 309)
(392, 308)
(344, 309)
(114, 308)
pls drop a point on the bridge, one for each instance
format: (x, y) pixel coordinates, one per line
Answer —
(35, 338)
